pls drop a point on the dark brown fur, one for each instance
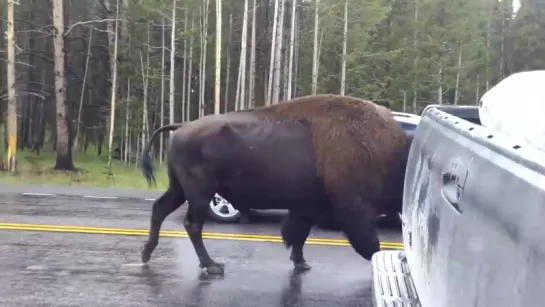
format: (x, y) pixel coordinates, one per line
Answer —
(356, 146)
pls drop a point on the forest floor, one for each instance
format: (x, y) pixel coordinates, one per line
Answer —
(91, 170)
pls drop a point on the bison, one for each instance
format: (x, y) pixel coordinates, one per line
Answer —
(330, 160)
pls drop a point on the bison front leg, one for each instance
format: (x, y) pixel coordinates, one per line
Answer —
(358, 222)
(194, 222)
(295, 232)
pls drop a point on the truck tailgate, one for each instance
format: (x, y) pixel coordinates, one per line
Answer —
(473, 216)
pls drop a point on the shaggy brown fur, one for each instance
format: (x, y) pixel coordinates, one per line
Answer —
(350, 136)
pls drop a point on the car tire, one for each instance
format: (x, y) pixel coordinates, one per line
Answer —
(223, 212)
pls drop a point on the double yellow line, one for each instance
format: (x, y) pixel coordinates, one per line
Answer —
(179, 234)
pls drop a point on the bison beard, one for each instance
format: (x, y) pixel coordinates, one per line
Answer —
(330, 160)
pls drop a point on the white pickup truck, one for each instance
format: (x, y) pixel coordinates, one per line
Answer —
(473, 219)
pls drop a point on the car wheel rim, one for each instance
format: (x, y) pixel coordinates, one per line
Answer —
(222, 207)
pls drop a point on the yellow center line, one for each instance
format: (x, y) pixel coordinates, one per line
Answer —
(178, 234)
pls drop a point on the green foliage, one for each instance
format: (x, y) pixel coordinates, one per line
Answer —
(390, 53)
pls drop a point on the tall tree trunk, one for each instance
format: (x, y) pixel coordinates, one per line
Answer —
(242, 69)
(127, 117)
(292, 43)
(251, 85)
(273, 52)
(204, 44)
(296, 56)
(145, 99)
(12, 102)
(345, 40)
(172, 63)
(487, 43)
(114, 89)
(217, 81)
(184, 64)
(145, 85)
(228, 65)
(190, 72)
(64, 152)
(278, 55)
(477, 90)
(404, 101)
(162, 103)
(439, 89)
(458, 74)
(315, 51)
(415, 62)
(80, 108)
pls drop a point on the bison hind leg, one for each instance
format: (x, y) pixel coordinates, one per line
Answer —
(358, 222)
(171, 200)
(295, 231)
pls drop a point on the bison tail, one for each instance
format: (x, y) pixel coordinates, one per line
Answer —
(147, 168)
(147, 162)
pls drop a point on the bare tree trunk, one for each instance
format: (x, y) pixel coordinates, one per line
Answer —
(477, 90)
(273, 52)
(296, 55)
(404, 101)
(138, 149)
(145, 101)
(278, 54)
(345, 40)
(217, 85)
(320, 40)
(172, 64)
(251, 85)
(243, 52)
(204, 43)
(439, 89)
(292, 43)
(239, 80)
(127, 112)
(190, 73)
(145, 83)
(114, 88)
(228, 65)
(201, 63)
(457, 89)
(162, 103)
(184, 64)
(502, 48)
(83, 87)
(285, 73)
(64, 152)
(487, 64)
(12, 102)
(315, 52)
(415, 63)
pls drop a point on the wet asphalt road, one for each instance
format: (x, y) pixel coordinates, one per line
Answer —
(53, 266)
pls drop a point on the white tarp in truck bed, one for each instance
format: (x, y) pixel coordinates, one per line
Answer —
(516, 106)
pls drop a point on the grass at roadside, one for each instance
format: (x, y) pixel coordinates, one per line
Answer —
(91, 171)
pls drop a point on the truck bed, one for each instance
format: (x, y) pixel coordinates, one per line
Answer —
(473, 220)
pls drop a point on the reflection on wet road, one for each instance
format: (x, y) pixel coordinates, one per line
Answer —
(45, 267)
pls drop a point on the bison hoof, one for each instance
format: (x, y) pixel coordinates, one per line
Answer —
(215, 268)
(301, 266)
(146, 252)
